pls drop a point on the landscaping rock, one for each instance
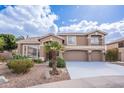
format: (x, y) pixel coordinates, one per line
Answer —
(3, 79)
(34, 77)
(6, 54)
(47, 75)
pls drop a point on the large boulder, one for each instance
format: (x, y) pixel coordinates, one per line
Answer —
(3, 80)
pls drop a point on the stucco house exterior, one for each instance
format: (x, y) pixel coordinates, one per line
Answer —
(119, 44)
(89, 46)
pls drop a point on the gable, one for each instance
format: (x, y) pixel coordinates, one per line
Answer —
(51, 38)
(97, 33)
(51, 35)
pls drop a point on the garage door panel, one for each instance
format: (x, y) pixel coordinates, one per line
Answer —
(75, 56)
(96, 56)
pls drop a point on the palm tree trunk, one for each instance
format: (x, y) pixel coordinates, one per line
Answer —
(54, 63)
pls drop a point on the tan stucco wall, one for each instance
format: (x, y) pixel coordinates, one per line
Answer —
(82, 40)
(111, 46)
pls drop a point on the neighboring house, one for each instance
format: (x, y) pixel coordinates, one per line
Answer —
(119, 44)
(89, 46)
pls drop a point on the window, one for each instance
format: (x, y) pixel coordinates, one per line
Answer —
(71, 40)
(31, 50)
(94, 40)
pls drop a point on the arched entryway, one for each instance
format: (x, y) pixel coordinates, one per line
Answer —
(47, 39)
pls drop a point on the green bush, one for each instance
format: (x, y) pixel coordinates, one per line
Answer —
(60, 63)
(112, 55)
(3, 58)
(20, 65)
(19, 57)
(38, 61)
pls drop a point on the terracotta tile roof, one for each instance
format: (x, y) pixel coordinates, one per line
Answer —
(52, 35)
(29, 40)
(117, 41)
(36, 39)
(80, 33)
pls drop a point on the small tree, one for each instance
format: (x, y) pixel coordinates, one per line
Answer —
(1, 44)
(53, 47)
(112, 54)
(10, 41)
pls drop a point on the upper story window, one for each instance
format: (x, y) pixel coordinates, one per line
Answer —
(95, 40)
(71, 40)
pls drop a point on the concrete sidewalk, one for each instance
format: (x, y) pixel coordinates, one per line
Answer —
(94, 82)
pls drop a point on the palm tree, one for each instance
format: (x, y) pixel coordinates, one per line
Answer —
(53, 47)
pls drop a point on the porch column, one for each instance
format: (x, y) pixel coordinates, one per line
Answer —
(42, 53)
(103, 55)
(61, 54)
(102, 40)
(89, 39)
(19, 49)
(89, 55)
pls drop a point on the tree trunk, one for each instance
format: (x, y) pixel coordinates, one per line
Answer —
(54, 63)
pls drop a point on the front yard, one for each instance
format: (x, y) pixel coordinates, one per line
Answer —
(34, 77)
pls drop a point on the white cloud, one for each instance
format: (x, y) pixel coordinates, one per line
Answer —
(27, 20)
(115, 30)
(39, 20)
(80, 27)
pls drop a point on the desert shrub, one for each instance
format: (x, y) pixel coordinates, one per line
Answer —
(20, 65)
(19, 57)
(38, 61)
(112, 55)
(60, 63)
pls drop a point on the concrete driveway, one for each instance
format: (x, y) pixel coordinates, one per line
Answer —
(79, 70)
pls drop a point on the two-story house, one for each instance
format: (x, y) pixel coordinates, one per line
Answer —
(119, 44)
(89, 46)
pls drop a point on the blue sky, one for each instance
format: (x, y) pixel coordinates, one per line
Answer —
(40, 20)
(101, 14)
